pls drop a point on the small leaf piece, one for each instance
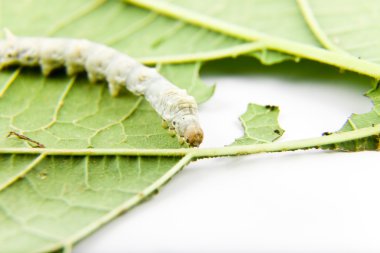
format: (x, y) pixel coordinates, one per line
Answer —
(357, 121)
(260, 125)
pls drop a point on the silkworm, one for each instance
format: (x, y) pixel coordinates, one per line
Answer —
(102, 63)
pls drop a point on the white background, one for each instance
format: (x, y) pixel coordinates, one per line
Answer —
(304, 201)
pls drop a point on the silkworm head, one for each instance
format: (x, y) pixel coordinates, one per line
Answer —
(193, 135)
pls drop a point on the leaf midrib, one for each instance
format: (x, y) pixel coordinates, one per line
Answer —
(207, 152)
(315, 28)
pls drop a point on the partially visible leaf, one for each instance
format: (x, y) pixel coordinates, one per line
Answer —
(60, 112)
(346, 25)
(273, 17)
(50, 202)
(260, 125)
(62, 199)
(285, 26)
(349, 39)
(357, 121)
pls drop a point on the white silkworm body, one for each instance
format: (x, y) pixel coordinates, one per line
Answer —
(100, 62)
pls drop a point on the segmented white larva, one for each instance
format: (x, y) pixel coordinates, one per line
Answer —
(174, 105)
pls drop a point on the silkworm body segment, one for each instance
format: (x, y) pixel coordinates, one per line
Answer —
(103, 63)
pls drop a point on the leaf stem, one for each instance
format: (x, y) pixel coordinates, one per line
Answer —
(314, 26)
(8, 83)
(205, 56)
(197, 153)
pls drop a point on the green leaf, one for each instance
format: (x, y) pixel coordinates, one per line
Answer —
(62, 199)
(48, 202)
(260, 17)
(345, 26)
(290, 27)
(71, 113)
(105, 155)
(359, 121)
(260, 125)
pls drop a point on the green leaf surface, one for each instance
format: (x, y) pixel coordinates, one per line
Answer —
(291, 27)
(62, 199)
(347, 26)
(260, 125)
(359, 121)
(49, 202)
(260, 17)
(60, 112)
